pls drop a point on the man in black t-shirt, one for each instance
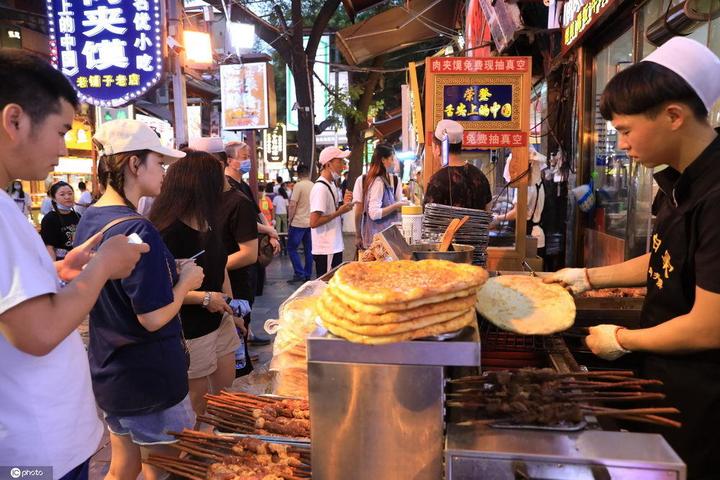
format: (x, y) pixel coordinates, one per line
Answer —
(659, 108)
(459, 184)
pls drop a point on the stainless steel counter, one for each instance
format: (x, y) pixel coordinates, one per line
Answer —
(483, 452)
(378, 411)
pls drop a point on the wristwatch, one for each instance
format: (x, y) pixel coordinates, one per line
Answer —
(206, 299)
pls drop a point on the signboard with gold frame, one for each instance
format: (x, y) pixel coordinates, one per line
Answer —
(490, 98)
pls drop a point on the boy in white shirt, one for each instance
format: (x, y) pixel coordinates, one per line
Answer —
(47, 409)
(325, 214)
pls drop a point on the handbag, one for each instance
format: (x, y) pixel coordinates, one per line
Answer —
(266, 252)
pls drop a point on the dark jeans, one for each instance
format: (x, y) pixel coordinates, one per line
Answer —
(321, 262)
(78, 473)
(295, 236)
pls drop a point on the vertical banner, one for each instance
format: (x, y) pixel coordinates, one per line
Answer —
(111, 50)
(244, 96)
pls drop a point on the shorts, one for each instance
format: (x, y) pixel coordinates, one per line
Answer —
(151, 429)
(205, 350)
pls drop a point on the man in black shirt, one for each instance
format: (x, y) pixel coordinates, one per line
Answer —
(659, 108)
(459, 184)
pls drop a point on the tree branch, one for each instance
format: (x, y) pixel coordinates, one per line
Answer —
(321, 22)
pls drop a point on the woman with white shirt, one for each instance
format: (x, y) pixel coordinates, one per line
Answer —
(379, 194)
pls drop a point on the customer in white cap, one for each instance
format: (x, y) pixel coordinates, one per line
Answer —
(459, 184)
(326, 211)
(138, 357)
(659, 108)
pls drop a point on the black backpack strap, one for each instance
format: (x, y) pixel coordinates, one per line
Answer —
(330, 190)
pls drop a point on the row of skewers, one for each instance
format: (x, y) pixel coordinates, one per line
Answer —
(544, 397)
(216, 457)
(236, 412)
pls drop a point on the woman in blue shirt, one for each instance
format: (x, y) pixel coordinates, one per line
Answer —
(138, 358)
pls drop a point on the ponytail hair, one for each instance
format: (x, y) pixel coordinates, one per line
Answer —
(111, 169)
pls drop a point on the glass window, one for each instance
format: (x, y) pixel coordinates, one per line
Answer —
(610, 165)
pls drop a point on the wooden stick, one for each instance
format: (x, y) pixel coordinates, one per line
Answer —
(597, 411)
(652, 419)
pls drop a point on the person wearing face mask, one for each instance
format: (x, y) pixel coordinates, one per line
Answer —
(237, 164)
(21, 199)
(326, 211)
(59, 225)
(378, 197)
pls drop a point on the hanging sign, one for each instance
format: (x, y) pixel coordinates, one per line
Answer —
(489, 97)
(244, 96)
(79, 137)
(274, 145)
(111, 50)
(579, 16)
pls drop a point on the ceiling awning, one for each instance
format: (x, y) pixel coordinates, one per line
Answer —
(200, 87)
(154, 110)
(397, 28)
(390, 125)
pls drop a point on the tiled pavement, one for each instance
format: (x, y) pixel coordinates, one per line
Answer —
(276, 291)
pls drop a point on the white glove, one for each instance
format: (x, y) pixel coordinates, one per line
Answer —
(604, 343)
(574, 279)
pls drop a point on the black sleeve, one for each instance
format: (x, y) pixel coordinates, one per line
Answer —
(50, 230)
(244, 221)
(707, 260)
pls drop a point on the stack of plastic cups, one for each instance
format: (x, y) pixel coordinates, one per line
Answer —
(412, 216)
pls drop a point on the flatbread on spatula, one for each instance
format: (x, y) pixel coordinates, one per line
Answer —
(525, 305)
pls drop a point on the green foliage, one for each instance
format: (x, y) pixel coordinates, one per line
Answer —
(343, 104)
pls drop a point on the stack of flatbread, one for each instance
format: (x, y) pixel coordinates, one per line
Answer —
(524, 304)
(386, 302)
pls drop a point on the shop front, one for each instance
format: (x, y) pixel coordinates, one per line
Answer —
(603, 42)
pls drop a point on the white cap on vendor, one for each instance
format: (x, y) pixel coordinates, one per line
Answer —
(695, 63)
(119, 136)
(453, 130)
(330, 153)
(207, 144)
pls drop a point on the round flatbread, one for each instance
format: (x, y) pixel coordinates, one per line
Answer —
(437, 329)
(525, 305)
(381, 283)
(359, 306)
(375, 330)
(452, 306)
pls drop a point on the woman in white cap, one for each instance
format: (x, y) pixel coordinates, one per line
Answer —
(659, 108)
(138, 357)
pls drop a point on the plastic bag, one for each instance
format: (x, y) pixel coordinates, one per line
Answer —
(297, 321)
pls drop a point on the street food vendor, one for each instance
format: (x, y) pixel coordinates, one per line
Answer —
(660, 110)
(535, 199)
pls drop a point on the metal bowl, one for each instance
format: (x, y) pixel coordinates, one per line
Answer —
(459, 254)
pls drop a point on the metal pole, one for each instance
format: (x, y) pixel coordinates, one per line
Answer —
(175, 29)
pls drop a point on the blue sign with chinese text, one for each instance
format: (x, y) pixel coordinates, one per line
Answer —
(478, 103)
(111, 50)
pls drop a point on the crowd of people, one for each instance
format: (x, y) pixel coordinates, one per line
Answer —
(169, 293)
